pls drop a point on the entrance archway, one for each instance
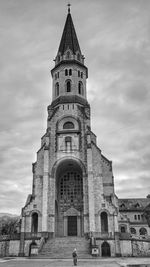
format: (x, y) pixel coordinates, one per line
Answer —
(69, 197)
(105, 249)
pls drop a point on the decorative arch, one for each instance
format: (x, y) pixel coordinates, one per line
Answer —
(63, 159)
(105, 248)
(65, 119)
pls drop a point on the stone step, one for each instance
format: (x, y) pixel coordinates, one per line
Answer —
(63, 247)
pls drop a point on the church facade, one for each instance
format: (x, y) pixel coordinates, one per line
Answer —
(73, 184)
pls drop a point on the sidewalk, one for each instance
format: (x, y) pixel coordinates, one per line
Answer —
(102, 262)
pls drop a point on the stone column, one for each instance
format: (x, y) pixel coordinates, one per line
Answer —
(22, 236)
(90, 186)
(45, 191)
(117, 240)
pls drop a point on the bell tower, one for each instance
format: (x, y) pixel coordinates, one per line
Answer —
(73, 184)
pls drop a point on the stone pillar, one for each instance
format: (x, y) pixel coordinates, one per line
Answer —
(45, 191)
(22, 236)
(117, 240)
(90, 186)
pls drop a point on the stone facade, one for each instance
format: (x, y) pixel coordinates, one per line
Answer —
(73, 182)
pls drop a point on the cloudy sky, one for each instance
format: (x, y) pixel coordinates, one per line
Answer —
(114, 36)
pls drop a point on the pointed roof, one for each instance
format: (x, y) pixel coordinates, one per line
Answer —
(69, 38)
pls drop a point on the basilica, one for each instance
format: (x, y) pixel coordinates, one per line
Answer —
(73, 201)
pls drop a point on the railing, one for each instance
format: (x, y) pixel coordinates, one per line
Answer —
(33, 235)
(103, 235)
(10, 237)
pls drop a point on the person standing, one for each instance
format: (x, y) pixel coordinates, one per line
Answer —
(74, 255)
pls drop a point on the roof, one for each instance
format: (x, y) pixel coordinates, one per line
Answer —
(69, 38)
(129, 204)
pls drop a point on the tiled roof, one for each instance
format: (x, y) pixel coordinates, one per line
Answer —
(133, 203)
(69, 37)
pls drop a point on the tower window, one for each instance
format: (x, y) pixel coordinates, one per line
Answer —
(58, 74)
(70, 72)
(78, 73)
(80, 88)
(57, 89)
(68, 125)
(81, 74)
(68, 86)
(66, 72)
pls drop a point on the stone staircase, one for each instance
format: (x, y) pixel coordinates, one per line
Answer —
(62, 247)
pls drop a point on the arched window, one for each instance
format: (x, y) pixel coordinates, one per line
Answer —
(68, 143)
(68, 86)
(133, 231)
(68, 125)
(122, 229)
(70, 72)
(57, 89)
(68, 55)
(143, 231)
(66, 72)
(34, 226)
(104, 222)
(78, 73)
(80, 88)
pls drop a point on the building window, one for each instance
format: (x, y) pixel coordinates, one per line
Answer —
(135, 217)
(104, 222)
(78, 73)
(58, 74)
(70, 72)
(133, 231)
(68, 125)
(66, 72)
(81, 74)
(80, 88)
(122, 229)
(68, 143)
(57, 89)
(143, 231)
(34, 226)
(68, 86)
(139, 217)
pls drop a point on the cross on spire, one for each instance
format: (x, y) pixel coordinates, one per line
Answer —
(69, 5)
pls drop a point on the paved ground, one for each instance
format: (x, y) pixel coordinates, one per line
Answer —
(111, 262)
